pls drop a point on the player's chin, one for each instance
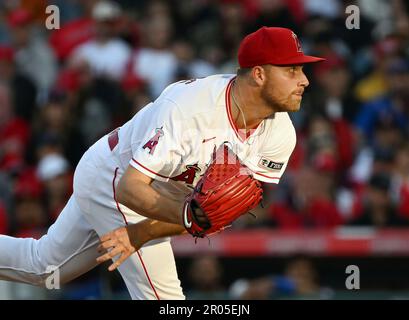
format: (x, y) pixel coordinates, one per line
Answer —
(294, 106)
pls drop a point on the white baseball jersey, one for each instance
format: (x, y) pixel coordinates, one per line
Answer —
(172, 139)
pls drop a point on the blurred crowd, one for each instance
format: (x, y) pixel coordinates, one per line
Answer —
(62, 89)
(298, 280)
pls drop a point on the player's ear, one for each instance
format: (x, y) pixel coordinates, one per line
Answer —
(259, 75)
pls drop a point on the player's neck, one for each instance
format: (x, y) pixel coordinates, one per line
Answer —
(247, 109)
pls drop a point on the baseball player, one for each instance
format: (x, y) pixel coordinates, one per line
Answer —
(130, 186)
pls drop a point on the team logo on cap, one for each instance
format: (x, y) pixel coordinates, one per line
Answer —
(297, 42)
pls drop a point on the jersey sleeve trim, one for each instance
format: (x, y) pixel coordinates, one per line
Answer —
(148, 172)
(265, 178)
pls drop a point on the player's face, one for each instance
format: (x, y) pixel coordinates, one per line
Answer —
(284, 87)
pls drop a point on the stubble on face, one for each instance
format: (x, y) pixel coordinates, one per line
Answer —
(278, 99)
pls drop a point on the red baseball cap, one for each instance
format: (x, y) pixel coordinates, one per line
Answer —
(271, 45)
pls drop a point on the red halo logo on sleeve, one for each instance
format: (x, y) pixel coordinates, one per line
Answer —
(153, 142)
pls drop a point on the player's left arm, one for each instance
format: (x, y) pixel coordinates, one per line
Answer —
(134, 190)
(124, 241)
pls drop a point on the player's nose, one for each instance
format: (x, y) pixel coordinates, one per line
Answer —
(304, 80)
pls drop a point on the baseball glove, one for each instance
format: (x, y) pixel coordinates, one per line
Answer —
(226, 191)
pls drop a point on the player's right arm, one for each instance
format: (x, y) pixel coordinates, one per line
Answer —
(124, 241)
(134, 190)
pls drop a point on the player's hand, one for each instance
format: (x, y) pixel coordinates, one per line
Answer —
(119, 242)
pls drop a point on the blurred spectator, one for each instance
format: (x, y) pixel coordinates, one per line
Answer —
(55, 127)
(374, 85)
(310, 202)
(329, 137)
(400, 9)
(263, 288)
(188, 66)
(106, 55)
(273, 13)
(379, 157)
(71, 34)
(22, 88)
(6, 191)
(99, 109)
(393, 106)
(334, 98)
(54, 173)
(30, 218)
(387, 138)
(73, 9)
(311, 194)
(4, 223)
(155, 53)
(378, 208)
(382, 124)
(232, 28)
(205, 274)
(300, 280)
(322, 38)
(305, 276)
(36, 9)
(329, 9)
(14, 134)
(136, 94)
(381, 13)
(400, 180)
(33, 56)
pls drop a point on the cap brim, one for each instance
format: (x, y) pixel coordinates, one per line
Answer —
(300, 60)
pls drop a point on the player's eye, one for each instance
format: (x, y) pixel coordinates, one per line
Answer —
(295, 69)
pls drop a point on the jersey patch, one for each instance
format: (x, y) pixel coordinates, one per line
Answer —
(270, 164)
(153, 142)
